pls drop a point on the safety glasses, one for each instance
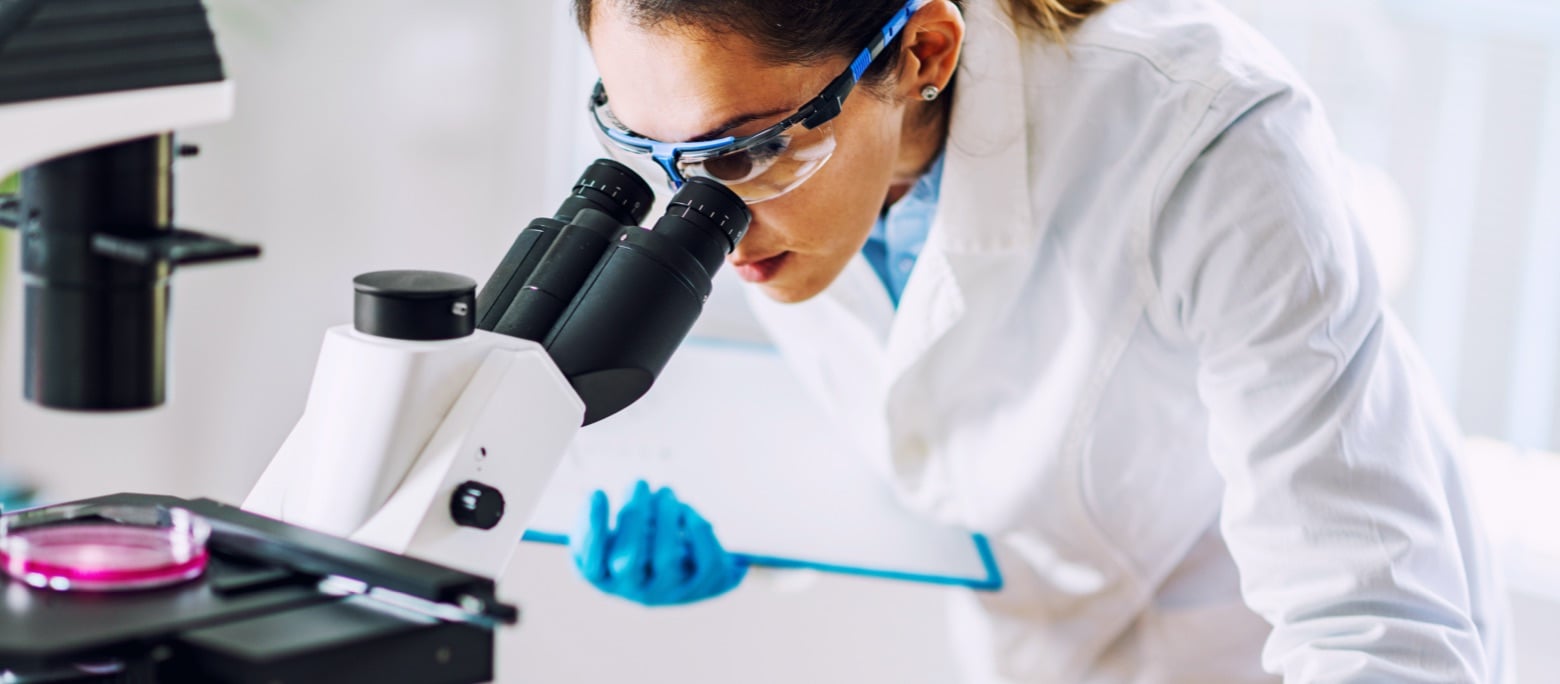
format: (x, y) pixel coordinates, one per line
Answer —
(757, 167)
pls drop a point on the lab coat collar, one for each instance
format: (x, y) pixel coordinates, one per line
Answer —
(983, 231)
(983, 223)
(984, 205)
(982, 244)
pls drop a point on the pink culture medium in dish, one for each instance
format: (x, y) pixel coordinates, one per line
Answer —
(104, 555)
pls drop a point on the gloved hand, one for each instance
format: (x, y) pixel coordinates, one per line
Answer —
(661, 553)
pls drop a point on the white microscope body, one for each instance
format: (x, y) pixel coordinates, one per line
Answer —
(401, 441)
(435, 422)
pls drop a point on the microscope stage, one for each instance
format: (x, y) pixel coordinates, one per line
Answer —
(259, 613)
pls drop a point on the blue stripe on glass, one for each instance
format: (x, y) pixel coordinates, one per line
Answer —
(666, 149)
(894, 26)
(669, 165)
(626, 139)
(674, 149)
(897, 25)
(859, 67)
(666, 154)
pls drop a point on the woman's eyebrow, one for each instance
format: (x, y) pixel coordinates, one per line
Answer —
(736, 121)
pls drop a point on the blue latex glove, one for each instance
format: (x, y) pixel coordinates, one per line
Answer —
(661, 553)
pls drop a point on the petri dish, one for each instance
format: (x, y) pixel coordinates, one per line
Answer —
(103, 548)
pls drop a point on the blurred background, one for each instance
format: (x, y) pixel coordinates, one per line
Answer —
(375, 134)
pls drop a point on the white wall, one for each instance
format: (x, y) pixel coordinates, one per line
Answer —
(1458, 101)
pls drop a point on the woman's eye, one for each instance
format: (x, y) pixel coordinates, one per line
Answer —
(771, 149)
(732, 167)
(741, 166)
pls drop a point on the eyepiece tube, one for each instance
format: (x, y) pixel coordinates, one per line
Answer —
(706, 219)
(641, 300)
(609, 187)
(605, 186)
(558, 276)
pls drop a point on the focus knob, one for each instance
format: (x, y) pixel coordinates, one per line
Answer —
(477, 505)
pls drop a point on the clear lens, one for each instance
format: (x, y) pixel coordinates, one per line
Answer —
(771, 168)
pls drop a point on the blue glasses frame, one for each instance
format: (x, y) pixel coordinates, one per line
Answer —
(815, 113)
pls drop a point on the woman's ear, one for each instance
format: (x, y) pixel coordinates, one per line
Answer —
(932, 41)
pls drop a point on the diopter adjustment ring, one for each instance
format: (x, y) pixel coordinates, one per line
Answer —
(609, 181)
(704, 200)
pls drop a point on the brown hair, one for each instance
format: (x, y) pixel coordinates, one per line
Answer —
(1056, 18)
(804, 31)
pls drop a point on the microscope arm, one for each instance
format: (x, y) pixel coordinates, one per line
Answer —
(436, 450)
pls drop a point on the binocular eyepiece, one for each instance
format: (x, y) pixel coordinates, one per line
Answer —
(608, 299)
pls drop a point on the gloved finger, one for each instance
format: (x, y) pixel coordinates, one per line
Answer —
(703, 563)
(667, 550)
(628, 559)
(710, 561)
(591, 537)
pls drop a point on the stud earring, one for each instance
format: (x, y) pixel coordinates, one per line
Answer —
(930, 93)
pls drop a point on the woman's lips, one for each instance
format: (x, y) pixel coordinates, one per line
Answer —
(758, 271)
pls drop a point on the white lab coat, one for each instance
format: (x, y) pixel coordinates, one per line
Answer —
(1145, 348)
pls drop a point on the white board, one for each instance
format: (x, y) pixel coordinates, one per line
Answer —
(734, 434)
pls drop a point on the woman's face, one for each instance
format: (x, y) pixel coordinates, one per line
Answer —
(679, 84)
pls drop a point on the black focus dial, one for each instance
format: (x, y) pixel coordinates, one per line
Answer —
(476, 505)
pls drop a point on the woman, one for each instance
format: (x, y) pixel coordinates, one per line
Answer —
(1106, 302)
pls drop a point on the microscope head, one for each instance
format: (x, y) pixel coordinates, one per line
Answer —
(79, 75)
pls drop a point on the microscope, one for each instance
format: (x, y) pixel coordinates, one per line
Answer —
(369, 549)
